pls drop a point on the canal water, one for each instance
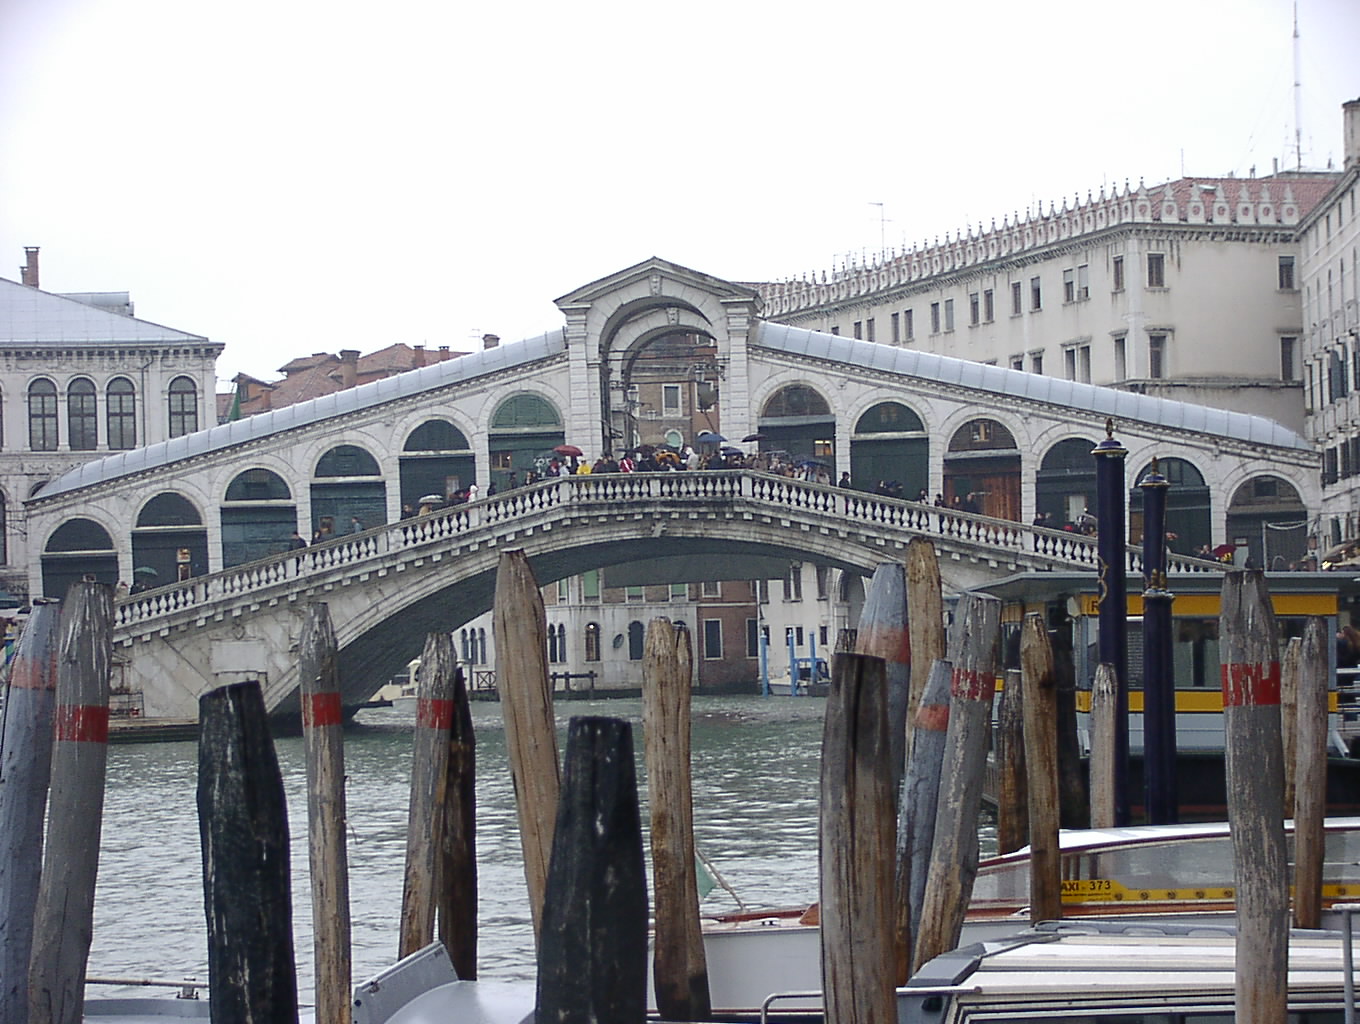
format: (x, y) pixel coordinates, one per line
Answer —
(755, 806)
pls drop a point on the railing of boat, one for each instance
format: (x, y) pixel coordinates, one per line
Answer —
(188, 988)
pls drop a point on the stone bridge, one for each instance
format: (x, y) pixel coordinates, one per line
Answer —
(388, 587)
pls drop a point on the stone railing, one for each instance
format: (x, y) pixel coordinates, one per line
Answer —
(602, 494)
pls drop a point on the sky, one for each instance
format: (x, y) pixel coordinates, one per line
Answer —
(298, 176)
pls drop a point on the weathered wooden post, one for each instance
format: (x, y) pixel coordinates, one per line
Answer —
(592, 952)
(1114, 604)
(1012, 788)
(429, 776)
(953, 865)
(1289, 716)
(925, 615)
(526, 704)
(63, 921)
(1249, 653)
(679, 967)
(1159, 678)
(917, 810)
(883, 634)
(1041, 764)
(243, 830)
(855, 844)
(456, 883)
(1104, 701)
(324, 744)
(1310, 793)
(25, 770)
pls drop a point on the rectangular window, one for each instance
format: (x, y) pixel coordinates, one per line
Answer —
(1069, 286)
(762, 590)
(1070, 363)
(1287, 346)
(822, 636)
(1036, 294)
(1156, 356)
(835, 329)
(42, 417)
(679, 591)
(564, 590)
(634, 594)
(753, 638)
(1084, 364)
(1118, 269)
(896, 321)
(1287, 274)
(858, 328)
(1015, 299)
(793, 583)
(590, 585)
(908, 325)
(713, 639)
(974, 308)
(823, 582)
(869, 330)
(122, 416)
(1036, 362)
(1120, 366)
(1017, 362)
(1156, 270)
(710, 588)
(670, 399)
(1083, 282)
(934, 318)
(988, 306)
(948, 314)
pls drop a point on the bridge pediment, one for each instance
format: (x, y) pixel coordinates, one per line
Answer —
(659, 277)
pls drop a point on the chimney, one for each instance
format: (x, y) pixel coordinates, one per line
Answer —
(349, 367)
(418, 358)
(28, 273)
(1350, 113)
(490, 340)
(443, 353)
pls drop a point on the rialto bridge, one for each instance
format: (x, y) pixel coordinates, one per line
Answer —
(653, 354)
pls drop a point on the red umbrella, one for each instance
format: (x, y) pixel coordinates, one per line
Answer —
(568, 449)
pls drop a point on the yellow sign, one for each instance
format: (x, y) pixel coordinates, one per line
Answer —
(1107, 890)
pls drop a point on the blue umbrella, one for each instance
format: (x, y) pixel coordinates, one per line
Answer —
(709, 437)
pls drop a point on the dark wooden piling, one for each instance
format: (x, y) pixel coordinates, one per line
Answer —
(63, 918)
(1310, 790)
(1041, 765)
(456, 879)
(25, 771)
(855, 841)
(883, 634)
(592, 950)
(429, 776)
(679, 967)
(1249, 654)
(916, 813)
(1104, 709)
(953, 865)
(1012, 787)
(526, 704)
(243, 831)
(1289, 716)
(925, 615)
(324, 745)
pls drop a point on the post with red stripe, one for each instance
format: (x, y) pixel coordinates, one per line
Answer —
(63, 923)
(1249, 656)
(323, 741)
(434, 718)
(973, 641)
(25, 769)
(883, 634)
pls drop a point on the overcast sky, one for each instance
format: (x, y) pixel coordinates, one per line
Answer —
(293, 176)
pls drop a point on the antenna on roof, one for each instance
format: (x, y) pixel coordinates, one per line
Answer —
(1298, 103)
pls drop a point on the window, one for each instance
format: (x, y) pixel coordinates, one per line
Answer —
(896, 321)
(1084, 364)
(1287, 346)
(793, 583)
(1120, 365)
(1118, 269)
(934, 318)
(564, 590)
(183, 407)
(1156, 356)
(557, 643)
(1017, 362)
(42, 416)
(948, 314)
(835, 329)
(670, 400)
(634, 594)
(1083, 282)
(82, 417)
(713, 647)
(869, 330)
(122, 414)
(823, 582)
(908, 324)
(1070, 363)
(1156, 270)
(592, 641)
(679, 591)
(1069, 286)
(974, 308)
(762, 590)
(859, 329)
(710, 588)
(1036, 362)
(590, 585)
(1036, 294)
(637, 634)
(752, 638)
(1287, 275)
(988, 306)
(1015, 298)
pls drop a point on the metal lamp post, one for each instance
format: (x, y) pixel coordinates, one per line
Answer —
(1159, 685)
(1113, 600)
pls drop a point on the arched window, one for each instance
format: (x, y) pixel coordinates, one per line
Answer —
(561, 642)
(636, 632)
(122, 414)
(796, 400)
(593, 641)
(481, 646)
(436, 436)
(42, 416)
(525, 411)
(82, 416)
(465, 647)
(183, 407)
(347, 460)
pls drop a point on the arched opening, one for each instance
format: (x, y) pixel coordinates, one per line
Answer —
(42, 416)
(121, 414)
(592, 641)
(525, 429)
(668, 388)
(170, 539)
(82, 415)
(76, 549)
(890, 445)
(1187, 507)
(436, 459)
(258, 517)
(797, 422)
(348, 486)
(982, 470)
(636, 634)
(1267, 518)
(183, 406)
(1065, 485)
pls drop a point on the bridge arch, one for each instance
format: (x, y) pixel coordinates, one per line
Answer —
(890, 442)
(1188, 512)
(436, 457)
(1267, 516)
(523, 426)
(1065, 482)
(258, 516)
(170, 537)
(796, 417)
(982, 459)
(78, 547)
(347, 484)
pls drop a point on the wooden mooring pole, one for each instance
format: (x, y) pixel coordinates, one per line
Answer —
(63, 920)
(1310, 773)
(1289, 716)
(855, 841)
(1012, 787)
(679, 967)
(883, 634)
(456, 879)
(1041, 766)
(1104, 711)
(925, 616)
(1249, 653)
(25, 770)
